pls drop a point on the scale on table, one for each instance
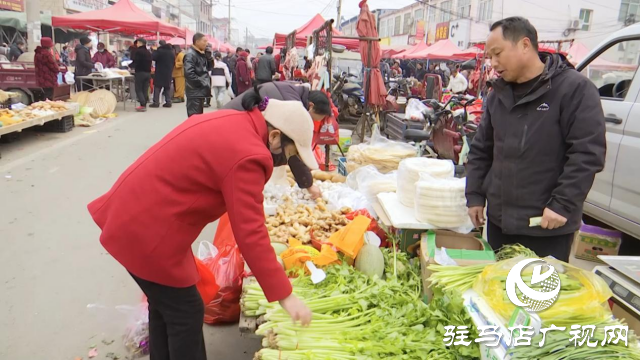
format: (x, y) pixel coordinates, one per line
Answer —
(623, 277)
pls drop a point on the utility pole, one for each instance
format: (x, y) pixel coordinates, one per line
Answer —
(229, 30)
(246, 38)
(34, 30)
(339, 20)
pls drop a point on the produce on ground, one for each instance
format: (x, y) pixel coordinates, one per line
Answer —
(370, 261)
(514, 250)
(327, 176)
(360, 317)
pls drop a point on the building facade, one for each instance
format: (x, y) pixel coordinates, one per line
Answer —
(466, 22)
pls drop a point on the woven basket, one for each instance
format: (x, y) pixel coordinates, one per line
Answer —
(102, 101)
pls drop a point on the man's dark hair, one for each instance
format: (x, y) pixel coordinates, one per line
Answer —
(141, 40)
(84, 40)
(238, 49)
(162, 43)
(269, 50)
(197, 37)
(320, 102)
(19, 42)
(248, 51)
(217, 55)
(516, 28)
(64, 48)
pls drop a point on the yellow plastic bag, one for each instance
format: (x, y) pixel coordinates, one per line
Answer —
(582, 299)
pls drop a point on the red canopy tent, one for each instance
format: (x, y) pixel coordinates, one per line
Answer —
(123, 17)
(389, 51)
(306, 30)
(412, 50)
(366, 27)
(443, 49)
(471, 53)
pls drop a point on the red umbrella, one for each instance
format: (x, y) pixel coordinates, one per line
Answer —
(366, 27)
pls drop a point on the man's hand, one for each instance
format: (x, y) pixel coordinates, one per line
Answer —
(297, 310)
(476, 213)
(552, 220)
(315, 192)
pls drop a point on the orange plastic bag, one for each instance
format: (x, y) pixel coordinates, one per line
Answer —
(227, 267)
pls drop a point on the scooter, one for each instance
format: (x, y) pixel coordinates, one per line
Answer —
(348, 97)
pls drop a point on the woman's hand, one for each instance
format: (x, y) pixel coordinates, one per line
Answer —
(296, 309)
(315, 192)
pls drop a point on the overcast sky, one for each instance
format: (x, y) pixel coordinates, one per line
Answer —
(266, 17)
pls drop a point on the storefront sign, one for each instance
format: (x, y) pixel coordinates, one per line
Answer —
(459, 31)
(13, 5)
(84, 5)
(420, 31)
(442, 31)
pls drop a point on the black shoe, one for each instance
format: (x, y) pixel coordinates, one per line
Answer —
(206, 105)
(154, 105)
(167, 105)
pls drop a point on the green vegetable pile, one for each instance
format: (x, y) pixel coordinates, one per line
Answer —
(362, 318)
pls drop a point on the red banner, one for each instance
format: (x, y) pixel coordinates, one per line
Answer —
(442, 31)
(13, 5)
(420, 31)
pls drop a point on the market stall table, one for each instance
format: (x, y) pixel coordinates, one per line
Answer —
(73, 109)
(117, 83)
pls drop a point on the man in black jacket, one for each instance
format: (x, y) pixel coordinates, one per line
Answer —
(266, 67)
(16, 50)
(165, 59)
(142, 65)
(84, 64)
(196, 73)
(540, 143)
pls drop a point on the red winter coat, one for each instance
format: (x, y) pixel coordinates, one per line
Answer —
(243, 74)
(46, 68)
(161, 203)
(105, 58)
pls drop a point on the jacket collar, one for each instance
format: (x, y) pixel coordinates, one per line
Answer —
(197, 50)
(259, 125)
(554, 65)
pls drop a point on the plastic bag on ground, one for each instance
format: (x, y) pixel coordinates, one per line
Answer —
(414, 110)
(582, 299)
(227, 267)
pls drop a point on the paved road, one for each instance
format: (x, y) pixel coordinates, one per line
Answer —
(60, 289)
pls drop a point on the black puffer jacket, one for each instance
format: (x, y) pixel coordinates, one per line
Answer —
(165, 60)
(541, 152)
(196, 74)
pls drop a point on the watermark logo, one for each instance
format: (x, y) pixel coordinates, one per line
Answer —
(533, 299)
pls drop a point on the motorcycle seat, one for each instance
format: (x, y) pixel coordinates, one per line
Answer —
(416, 135)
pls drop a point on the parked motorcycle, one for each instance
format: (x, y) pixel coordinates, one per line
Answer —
(348, 97)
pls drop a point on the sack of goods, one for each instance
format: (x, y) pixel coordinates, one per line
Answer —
(409, 173)
(441, 202)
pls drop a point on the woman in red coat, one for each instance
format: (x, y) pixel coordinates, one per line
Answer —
(243, 73)
(46, 67)
(210, 164)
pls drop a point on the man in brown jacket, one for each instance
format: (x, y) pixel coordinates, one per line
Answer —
(178, 75)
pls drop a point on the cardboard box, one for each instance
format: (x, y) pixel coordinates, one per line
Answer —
(630, 318)
(464, 249)
(592, 241)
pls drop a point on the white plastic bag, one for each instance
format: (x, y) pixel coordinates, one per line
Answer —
(370, 182)
(69, 78)
(207, 250)
(415, 110)
(441, 203)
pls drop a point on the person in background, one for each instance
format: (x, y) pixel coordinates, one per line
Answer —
(307, 64)
(254, 62)
(104, 57)
(420, 72)
(220, 79)
(445, 69)
(64, 56)
(142, 65)
(458, 84)
(178, 75)
(233, 62)
(266, 67)
(84, 65)
(317, 104)
(540, 143)
(385, 69)
(242, 72)
(396, 70)
(165, 61)
(16, 50)
(208, 52)
(46, 67)
(196, 73)
(157, 208)
(115, 57)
